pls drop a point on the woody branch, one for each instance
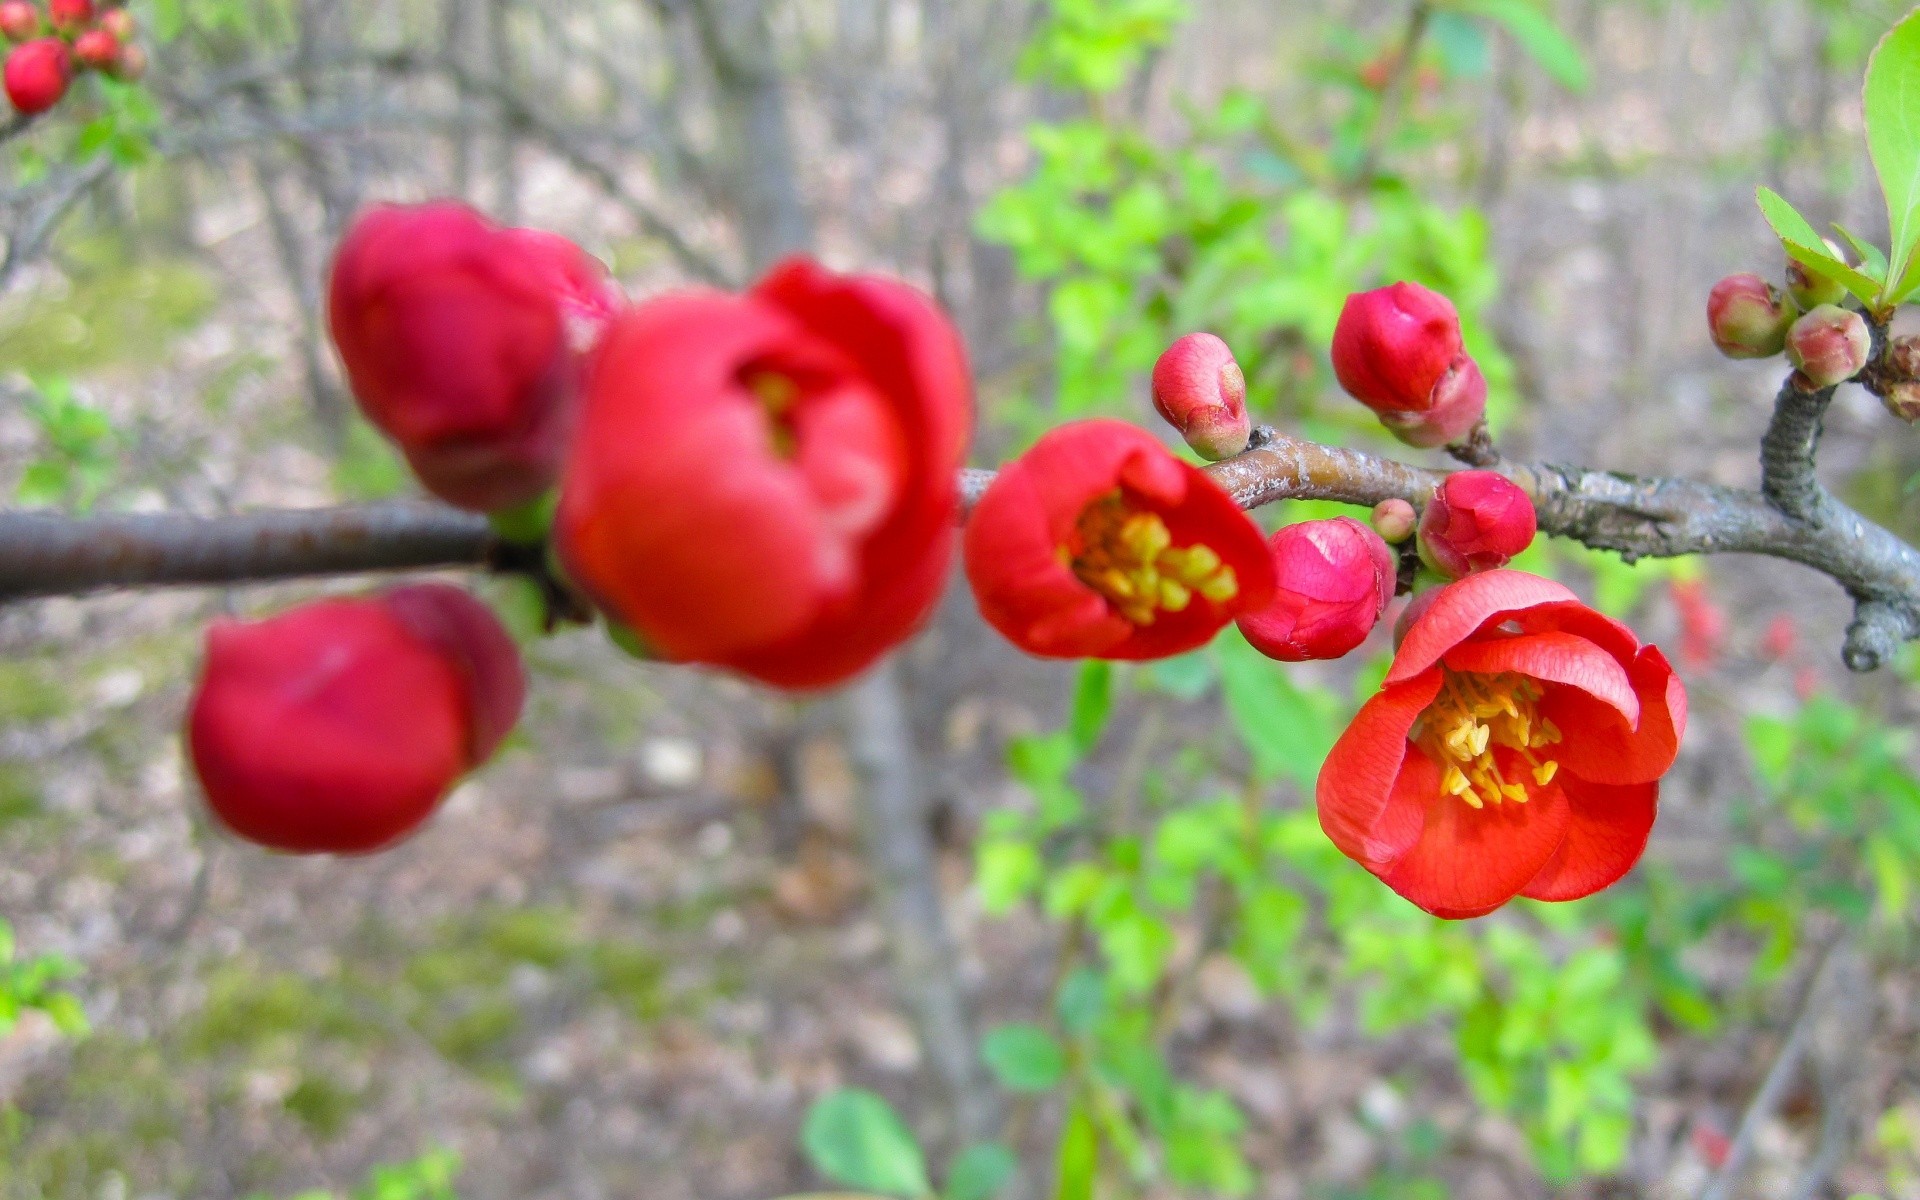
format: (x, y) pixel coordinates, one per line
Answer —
(1790, 516)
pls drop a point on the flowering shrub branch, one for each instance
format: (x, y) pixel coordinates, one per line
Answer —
(1790, 516)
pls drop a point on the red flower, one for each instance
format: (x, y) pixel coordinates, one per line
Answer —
(1703, 626)
(36, 74)
(1335, 578)
(1099, 543)
(1476, 521)
(1515, 749)
(1398, 351)
(454, 334)
(767, 482)
(338, 726)
(1200, 390)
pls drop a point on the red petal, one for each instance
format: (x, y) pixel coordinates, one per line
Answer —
(1562, 658)
(1357, 781)
(1601, 747)
(1470, 861)
(1463, 607)
(1607, 835)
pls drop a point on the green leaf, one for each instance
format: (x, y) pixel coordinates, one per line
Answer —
(1805, 246)
(854, 1137)
(1006, 872)
(1892, 103)
(1024, 1058)
(980, 1171)
(1286, 731)
(1534, 31)
(1873, 260)
(1092, 702)
(1079, 1157)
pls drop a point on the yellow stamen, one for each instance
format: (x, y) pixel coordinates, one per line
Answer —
(1127, 555)
(1473, 723)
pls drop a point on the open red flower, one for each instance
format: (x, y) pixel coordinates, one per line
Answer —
(1515, 749)
(1099, 543)
(455, 335)
(767, 482)
(339, 726)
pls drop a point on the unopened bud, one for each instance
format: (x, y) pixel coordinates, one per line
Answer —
(1398, 351)
(1809, 290)
(1476, 521)
(36, 74)
(1201, 391)
(1395, 520)
(1829, 344)
(70, 15)
(19, 20)
(118, 22)
(1748, 318)
(131, 64)
(1459, 403)
(1334, 580)
(97, 49)
(1903, 400)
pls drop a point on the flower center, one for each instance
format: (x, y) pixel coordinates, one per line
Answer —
(778, 394)
(1127, 555)
(1472, 720)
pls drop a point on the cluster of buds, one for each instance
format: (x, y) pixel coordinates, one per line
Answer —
(1747, 317)
(1398, 350)
(71, 36)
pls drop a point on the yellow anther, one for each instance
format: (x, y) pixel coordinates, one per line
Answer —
(1514, 792)
(1480, 724)
(1146, 535)
(1453, 783)
(1174, 597)
(1482, 734)
(1544, 773)
(1221, 586)
(1127, 555)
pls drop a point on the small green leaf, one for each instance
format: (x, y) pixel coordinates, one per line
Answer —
(854, 1137)
(1892, 109)
(980, 1171)
(1079, 1157)
(1534, 31)
(1873, 260)
(1024, 1058)
(1805, 246)
(1092, 701)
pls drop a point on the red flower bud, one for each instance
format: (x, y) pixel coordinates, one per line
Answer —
(19, 20)
(1515, 748)
(1099, 543)
(1200, 390)
(70, 15)
(1398, 351)
(118, 22)
(1829, 344)
(1703, 626)
(766, 482)
(454, 334)
(1395, 520)
(1781, 639)
(338, 726)
(1333, 580)
(1747, 318)
(1810, 290)
(131, 64)
(1476, 521)
(97, 49)
(36, 74)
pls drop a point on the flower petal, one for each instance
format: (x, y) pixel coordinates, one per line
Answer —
(1358, 778)
(1606, 836)
(1563, 658)
(1460, 608)
(1470, 861)
(1602, 747)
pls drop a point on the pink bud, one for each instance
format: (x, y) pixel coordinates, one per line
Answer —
(1335, 578)
(1476, 521)
(97, 49)
(1398, 351)
(118, 22)
(1703, 626)
(36, 74)
(1395, 520)
(1747, 318)
(1200, 390)
(1829, 344)
(1809, 290)
(70, 15)
(19, 20)
(131, 64)
(1781, 639)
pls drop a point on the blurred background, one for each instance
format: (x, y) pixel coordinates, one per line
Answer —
(987, 926)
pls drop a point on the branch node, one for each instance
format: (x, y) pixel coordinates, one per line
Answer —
(1876, 634)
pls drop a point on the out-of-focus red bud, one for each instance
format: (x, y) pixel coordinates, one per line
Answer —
(70, 15)
(455, 337)
(1902, 400)
(1334, 580)
(1200, 390)
(1395, 520)
(19, 20)
(118, 22)
(1703, 626)
(1781, 638)
(131, 64)
(1829, 344)
(1806, 684)
(1748, 318)
(1476, 521)
(98, 49)
(1398, 351)
(337, 727)
(36, 74)
(1810, 291)
(1711, 1143)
